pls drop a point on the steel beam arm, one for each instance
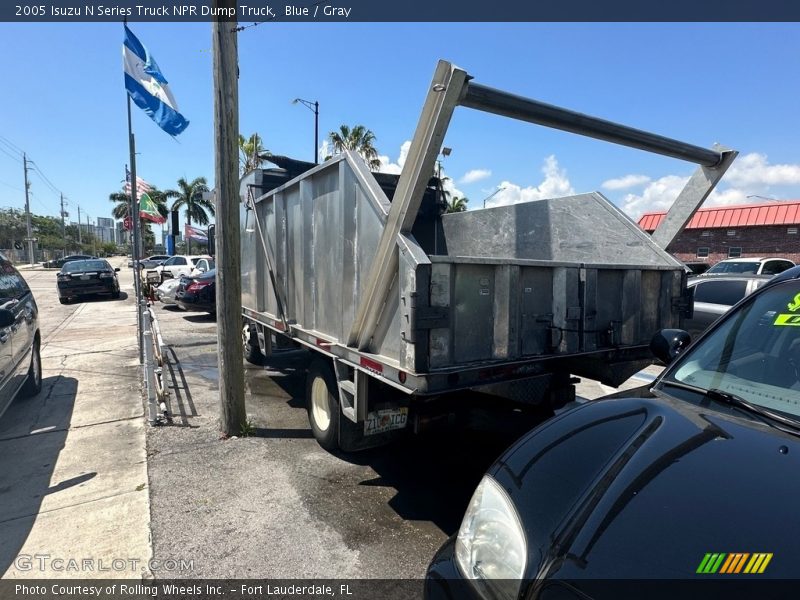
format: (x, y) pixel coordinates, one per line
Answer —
(502, 103)
(693, 194)
(443, 96)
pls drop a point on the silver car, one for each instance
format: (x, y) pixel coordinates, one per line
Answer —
(714, 296)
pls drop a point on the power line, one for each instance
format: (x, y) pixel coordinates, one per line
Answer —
(11, 144)
(11, 156)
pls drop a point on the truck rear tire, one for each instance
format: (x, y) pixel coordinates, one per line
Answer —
(252, 351)
(323, 404)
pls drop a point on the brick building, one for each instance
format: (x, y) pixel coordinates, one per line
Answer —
(744, 230)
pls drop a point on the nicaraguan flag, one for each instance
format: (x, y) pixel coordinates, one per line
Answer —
(147, 86)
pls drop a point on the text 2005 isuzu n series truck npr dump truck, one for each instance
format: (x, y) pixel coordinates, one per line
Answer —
(402, 304)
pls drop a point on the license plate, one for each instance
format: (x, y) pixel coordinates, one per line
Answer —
(85, 277)
(385, 420)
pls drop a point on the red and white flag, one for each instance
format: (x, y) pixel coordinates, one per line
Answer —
(142, 187)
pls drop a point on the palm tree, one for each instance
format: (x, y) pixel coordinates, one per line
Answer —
(123, 202)
(358, 139)
(190, 195)
(250, 151)
(456, 204)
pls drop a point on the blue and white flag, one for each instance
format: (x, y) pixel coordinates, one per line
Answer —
(147, 86)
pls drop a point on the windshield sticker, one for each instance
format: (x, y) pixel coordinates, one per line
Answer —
(790, 319)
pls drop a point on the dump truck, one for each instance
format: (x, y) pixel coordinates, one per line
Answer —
(402, 304)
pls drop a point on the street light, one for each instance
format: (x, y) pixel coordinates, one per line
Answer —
(314, 107)
(497, 191)
(763, 197)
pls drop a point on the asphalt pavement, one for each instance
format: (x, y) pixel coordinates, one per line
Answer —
(83, 477)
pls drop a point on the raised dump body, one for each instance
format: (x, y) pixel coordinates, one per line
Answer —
(392, 293)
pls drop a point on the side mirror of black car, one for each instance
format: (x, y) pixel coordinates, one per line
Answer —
(6, 317)
(117, 270)
(667, 344)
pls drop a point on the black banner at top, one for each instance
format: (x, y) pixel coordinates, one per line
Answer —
(262, 11)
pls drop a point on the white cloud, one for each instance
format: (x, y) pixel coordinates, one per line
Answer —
(387, 166)
(623, 183)
(754, 170)
(474, 175)
(751, 174)
(555, 184)
(659, 195)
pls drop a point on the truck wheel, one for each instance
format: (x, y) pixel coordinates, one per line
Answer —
(252, 351)
(323, 404)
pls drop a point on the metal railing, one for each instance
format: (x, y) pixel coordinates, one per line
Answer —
(154, 372)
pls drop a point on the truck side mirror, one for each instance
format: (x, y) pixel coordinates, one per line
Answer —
(667, 344)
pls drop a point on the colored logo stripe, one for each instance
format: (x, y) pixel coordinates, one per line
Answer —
(711, 563)
(733, 563)
(758, 563)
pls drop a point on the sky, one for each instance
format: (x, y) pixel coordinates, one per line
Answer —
(64, 104)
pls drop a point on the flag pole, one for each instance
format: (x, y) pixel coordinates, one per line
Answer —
(136, 224)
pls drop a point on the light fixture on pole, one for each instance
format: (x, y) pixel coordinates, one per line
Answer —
(497, 191)
(763, 197)
(314, 107)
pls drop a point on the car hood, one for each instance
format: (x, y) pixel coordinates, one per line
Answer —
(645, 488)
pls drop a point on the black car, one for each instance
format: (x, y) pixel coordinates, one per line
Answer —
(20, 362)
(693, 479)
(60, 262)
(198, 293)
(87, 277)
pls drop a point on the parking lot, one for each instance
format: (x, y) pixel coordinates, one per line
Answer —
(270, 505)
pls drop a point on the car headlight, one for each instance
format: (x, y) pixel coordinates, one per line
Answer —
(491, 550)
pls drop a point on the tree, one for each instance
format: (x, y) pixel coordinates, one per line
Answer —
(190, 195)
(250, 151)
(123, 202)
(456, 204)
(358, 139)
(123, 205)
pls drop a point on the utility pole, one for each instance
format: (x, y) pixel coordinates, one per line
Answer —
(79, 224)
(63, 225)
(226, 173)
(28, 210)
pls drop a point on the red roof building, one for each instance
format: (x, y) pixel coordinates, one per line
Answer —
(742, 230)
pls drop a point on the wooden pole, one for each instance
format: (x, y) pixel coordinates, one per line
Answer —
(226, 171)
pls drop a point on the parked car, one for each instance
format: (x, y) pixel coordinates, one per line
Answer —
(180, 264)
(714, 296)
(198, 293)
(20, 361)
(755, 266)
(166, 291)
(60, 262)
(86, 277)
(151, 261)
(651, 486)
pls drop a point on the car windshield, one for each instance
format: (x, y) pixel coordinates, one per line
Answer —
(86, 265)
(753, 354)
(734, 267)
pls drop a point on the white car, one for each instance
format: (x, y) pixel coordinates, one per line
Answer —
(183, 264)
(166, 291)
(750, 266)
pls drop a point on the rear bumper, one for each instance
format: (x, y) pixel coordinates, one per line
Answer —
(71, 291)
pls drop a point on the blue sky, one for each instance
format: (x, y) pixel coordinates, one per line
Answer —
(64, 103)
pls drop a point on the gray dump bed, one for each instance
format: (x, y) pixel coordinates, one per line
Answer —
(534, 280)
(440, 302)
